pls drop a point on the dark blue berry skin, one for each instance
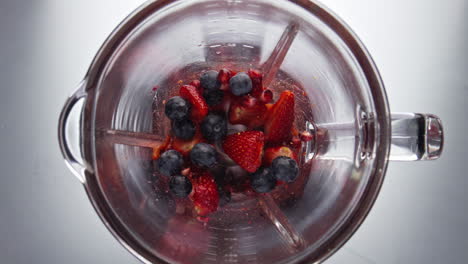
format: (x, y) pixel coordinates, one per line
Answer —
(183, 129)
(209, 81)
(240, 84)
(177, 108)
(180, 186)
(214, 127)
(170, 163)
(284, 169)
(213, 97)
(262, 181)
(203, 155)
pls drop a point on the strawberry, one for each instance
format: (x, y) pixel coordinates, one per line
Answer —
(196, 84)
(205, 194)
(280, 119)
(257, 82)
(272, 153)
(184, 146)
(224, 76)
(193, 96)
(161, 147)
(245, 149)
(251, 114)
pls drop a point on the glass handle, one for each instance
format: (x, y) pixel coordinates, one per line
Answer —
(416, 137)
(69, 132)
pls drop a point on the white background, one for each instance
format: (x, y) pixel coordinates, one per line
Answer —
(420, 47)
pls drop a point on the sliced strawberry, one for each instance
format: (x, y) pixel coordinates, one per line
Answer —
(245, 149)
(193, 96)
(205, 194)
(269, 106)
(224, 76)
(272, 153)
(257, 82)
(184, 146)
(196, 84)
(163, 146)
(251, 114)
(280, 119)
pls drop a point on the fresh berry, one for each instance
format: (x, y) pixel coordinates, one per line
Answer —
(209, 80)
(177, 108)
(245, 149)
(267, 96)
(257, 82)
(262, 181)
(214, 127)
(196, 84)
(284, 169)
(193, 96)
(224, 76)
(213, 97)
(269, 106)
(280, 119)
(205, 194)
(204, 155)
(170, 163)
(180, 186)
(272, 153)
(240, 84)
(183, 129)
(252, 116)
(185, 146)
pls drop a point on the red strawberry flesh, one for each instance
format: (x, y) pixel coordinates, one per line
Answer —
(224, 75)
(257, 82)
(245, 149)
(194, 97)
(280, 119)
(205, 194)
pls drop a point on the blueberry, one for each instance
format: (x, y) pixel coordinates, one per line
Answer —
(183, 129)
(177, 108)
(180, 185)
(203, 155)
(262, 180)
(214, 127)
(213, 97)
(170, 162)
(240, 84)
(284, 169)
(209, 81)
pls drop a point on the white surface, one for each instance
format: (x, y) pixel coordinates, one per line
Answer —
(419, 46)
